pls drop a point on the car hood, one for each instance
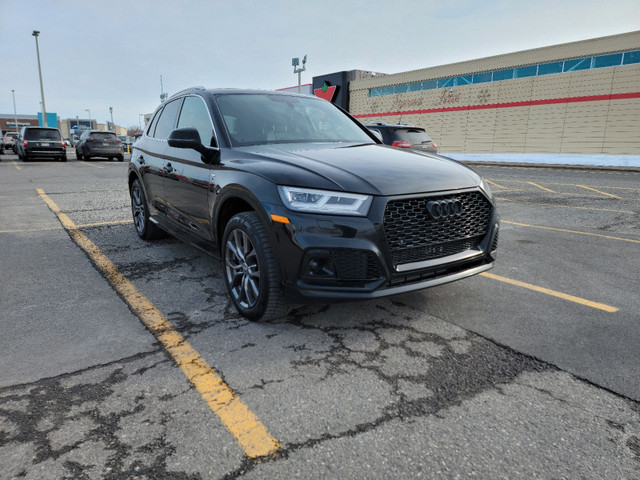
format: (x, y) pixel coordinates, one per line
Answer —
(370, 169)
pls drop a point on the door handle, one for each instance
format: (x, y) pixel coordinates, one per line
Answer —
(168, 168)
(141, 159)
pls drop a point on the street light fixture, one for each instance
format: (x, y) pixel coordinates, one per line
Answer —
(296, 69)
(44, 108)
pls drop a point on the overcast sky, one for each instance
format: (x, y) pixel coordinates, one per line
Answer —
(96, 54)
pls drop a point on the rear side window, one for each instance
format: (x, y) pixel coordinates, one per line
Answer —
(42, 134)
(167, 120)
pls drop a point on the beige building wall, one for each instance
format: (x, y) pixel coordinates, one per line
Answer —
(594, 111)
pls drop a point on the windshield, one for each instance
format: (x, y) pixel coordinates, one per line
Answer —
(259, 119)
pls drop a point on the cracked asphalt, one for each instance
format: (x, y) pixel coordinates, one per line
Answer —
(423, 385)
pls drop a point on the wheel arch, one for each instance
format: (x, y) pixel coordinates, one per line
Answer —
(234, 200)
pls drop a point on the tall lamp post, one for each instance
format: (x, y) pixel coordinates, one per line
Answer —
(44, 108)
(296, 69)
(90, 122)
(113, 128)
(13, 92)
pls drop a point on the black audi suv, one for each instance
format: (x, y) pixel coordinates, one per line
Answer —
(302, 203)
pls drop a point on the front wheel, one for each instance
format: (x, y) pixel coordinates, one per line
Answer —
(144, 227)
(251, 270)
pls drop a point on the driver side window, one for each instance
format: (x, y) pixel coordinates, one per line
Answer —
(195, 114)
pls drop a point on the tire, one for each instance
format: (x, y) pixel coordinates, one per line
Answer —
(121, 158)
(78, 155)
(140, 211)
(63, 159)
(86, 157)
(251, 269)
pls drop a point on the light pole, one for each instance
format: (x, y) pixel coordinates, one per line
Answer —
(296, 69)
(140, 115)
(113, 128)
(89, 112)
(44, 108)
(13, 92)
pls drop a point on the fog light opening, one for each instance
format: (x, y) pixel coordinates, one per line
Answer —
(318, 264)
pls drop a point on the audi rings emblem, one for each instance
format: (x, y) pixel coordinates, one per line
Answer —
(441, 209)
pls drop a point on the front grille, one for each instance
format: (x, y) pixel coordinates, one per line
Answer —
(414, 236)
(353, 264)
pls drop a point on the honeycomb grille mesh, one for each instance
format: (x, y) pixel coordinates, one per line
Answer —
(413, 236)
(352, 264)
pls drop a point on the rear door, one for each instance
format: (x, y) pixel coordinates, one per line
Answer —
(150, 154)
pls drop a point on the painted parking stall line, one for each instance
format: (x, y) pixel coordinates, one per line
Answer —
(573, 232)
(553, 293)
(241, 422)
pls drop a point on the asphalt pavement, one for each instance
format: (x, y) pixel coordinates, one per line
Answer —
(528, 373)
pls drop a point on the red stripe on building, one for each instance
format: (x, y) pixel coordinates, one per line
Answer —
(550, 101)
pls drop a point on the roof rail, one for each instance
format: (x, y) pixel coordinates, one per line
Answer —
(187, 90)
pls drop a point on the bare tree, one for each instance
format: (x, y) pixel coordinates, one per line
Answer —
(134, 130)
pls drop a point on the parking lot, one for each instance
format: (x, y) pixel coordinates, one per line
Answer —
(124, 359)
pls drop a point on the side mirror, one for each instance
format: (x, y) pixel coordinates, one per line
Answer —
(188, 137)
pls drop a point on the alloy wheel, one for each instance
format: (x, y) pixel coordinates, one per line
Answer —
(242, 269)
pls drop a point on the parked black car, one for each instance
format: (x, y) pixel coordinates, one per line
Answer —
(404, 135)
(40, 142)
(99, 143)
(302, 203)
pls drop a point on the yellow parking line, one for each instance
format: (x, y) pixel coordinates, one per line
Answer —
(541, 187)
(15, 164)
(598, 191)
(493, 183)
(564, 296)
(577, 232)
(503, 199)
(241, 422)
(100, 224)
(90, 164)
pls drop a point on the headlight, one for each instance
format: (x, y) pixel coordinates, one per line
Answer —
(323, 201)
(484, 186)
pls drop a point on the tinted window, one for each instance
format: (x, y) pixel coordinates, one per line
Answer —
(578, 64)
(195, 114)
(547, 68)
(530, 71)
(631, 57)
(482, 77)
(413, 135)
(503, 74)
(167, 120)
(463, 80)
(607, 60)
(104, 136)
(42, 134)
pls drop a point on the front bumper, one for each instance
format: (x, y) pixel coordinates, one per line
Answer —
(326, 258)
